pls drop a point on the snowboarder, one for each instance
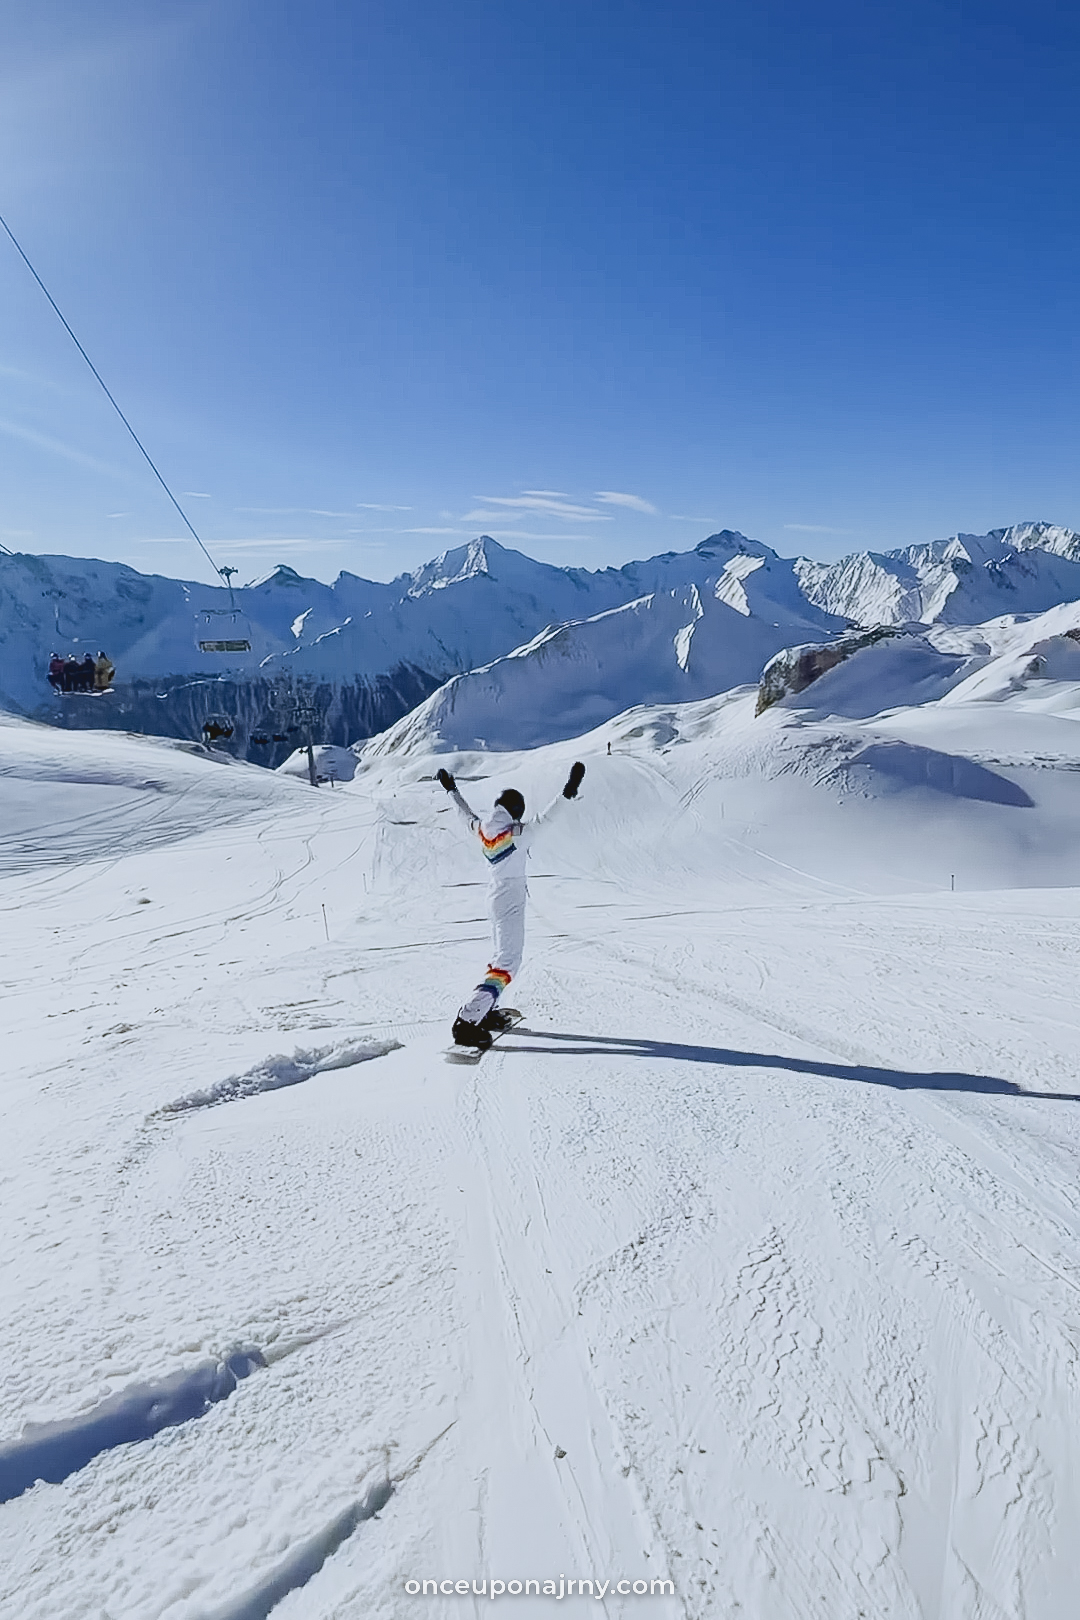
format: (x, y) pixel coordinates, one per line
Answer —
(504, 837)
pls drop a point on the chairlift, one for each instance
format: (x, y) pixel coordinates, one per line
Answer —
(260, 739)
(70, 675)
(217, 728)
(222, 630)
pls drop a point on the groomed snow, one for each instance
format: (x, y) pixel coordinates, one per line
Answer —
(749, 1262)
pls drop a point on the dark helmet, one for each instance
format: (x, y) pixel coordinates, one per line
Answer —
(511, 801)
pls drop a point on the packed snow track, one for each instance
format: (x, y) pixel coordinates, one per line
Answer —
(748, 1263)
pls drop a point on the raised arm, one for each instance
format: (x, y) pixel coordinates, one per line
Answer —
(570, 791)
(447, 781)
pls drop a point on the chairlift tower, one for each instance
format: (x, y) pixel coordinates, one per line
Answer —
(227, 571)
(296, 704)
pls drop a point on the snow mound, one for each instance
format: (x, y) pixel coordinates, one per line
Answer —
(909, 765)
(860, 676)
(275, 1072)
(333, 763)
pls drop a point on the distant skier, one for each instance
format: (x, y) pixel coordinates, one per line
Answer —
(505, 838)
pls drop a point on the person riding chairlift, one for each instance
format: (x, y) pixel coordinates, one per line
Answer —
(56, 672)
(104, 670)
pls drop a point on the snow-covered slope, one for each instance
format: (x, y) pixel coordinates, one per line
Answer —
(668, 647)
(745, 1265)
(964, 580)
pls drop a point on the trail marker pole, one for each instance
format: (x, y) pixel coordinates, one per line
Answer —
(326, 925)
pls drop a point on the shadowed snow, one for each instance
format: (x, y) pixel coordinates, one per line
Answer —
(52, 1451)
(306, 1560)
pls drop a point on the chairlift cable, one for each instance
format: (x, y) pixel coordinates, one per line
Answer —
(146, 454)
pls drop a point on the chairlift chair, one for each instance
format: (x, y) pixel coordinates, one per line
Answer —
(222, 630)
(217, 728)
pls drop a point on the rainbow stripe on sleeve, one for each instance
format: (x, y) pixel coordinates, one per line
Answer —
(495, 980)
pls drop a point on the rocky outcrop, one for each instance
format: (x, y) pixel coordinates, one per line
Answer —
(796, 668)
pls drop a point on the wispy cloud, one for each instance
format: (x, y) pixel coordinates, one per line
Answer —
(17, 374)
(299, 542)
(376, 506)
(292, 511)
(195, 495)
(262, 543)
(817, 528)
(56, 447)
(632, 503)
(682, 517)
(512, 506)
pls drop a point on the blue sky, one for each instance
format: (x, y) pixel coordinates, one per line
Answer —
(370, 278)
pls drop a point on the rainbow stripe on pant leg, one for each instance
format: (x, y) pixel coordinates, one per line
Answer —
(495, 980)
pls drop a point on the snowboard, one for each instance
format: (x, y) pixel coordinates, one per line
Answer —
(473, 1054)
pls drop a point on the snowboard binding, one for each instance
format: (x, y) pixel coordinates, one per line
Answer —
(471, 1041)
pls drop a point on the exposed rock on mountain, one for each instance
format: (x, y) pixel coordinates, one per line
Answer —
(796, 668)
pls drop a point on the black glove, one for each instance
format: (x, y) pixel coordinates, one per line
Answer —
(446, 780)
(573, 781)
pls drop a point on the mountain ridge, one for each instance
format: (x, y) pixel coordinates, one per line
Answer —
(365, 652)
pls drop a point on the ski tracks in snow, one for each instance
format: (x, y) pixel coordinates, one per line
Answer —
(869, 1423)
(767, 1283)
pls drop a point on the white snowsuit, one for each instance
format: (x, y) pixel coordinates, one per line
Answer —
(505, 844)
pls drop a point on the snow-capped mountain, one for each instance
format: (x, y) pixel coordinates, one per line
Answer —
(671, 646)
(365, 653)
(964, 580)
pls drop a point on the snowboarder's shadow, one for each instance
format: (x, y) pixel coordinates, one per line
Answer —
(728, 1058)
